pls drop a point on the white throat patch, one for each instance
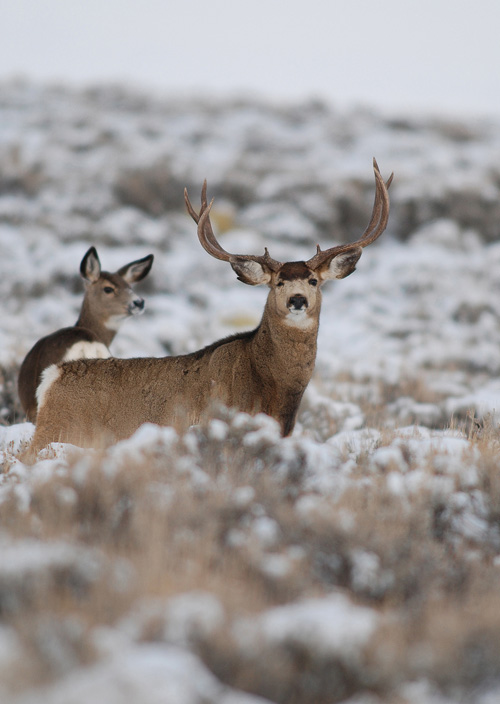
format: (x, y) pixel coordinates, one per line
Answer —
(114, 321)
(299, 319)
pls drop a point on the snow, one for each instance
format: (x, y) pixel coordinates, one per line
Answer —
(145, 674)
(13, 437)
(192, 614)
(413, 334)
(20, 559)
(331, 626)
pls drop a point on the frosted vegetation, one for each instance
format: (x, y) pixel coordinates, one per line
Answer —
(357, 561)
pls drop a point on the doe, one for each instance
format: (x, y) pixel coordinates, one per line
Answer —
(96, 402)
(107, 302)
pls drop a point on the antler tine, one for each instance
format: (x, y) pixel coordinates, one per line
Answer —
(190, 208)
(207, 237)
(377, 224)
(209, 234)
(380, 214)
(264, 259)
(209, 241)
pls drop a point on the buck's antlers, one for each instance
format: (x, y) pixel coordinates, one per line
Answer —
(209, 242)
(376, 226)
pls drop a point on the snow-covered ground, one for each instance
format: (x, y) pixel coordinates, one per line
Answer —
(398, 426)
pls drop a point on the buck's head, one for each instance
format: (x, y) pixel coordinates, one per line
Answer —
(109, 295)
(295, 294)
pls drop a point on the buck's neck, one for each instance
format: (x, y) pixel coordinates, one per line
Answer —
(91, 321)
(285, 351)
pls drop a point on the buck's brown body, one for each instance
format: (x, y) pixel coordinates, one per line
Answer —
(96, 402)
(251, 387)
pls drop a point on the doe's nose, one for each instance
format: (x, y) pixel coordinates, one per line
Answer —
(138, 304)
(297, 302)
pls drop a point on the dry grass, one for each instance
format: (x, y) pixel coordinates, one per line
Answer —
(10, 406)
(180, 518)
(153, 189)
(18, 175)
(411, 401)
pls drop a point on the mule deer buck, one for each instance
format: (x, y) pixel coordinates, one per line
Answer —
(99, 401)
(108, 301)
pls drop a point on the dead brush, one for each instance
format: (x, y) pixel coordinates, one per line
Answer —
(10, 407)
(287, 675)
(182, 513)
(411, 401)
(17, 175)
(486, 439)
(149, 188)
(450, 640)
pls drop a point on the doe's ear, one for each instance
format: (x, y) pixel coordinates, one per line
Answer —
(340, 266)
(250, 272)
(90, 266)
(136, 271)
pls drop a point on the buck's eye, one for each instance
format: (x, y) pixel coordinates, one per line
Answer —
(313, 282)
(280, 283)
(108, 289)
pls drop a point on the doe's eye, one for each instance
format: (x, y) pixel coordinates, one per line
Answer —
(313, 282)
(108, 289)
(280, 283)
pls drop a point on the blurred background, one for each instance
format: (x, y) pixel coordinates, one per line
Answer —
(440, 55)
(108, 109)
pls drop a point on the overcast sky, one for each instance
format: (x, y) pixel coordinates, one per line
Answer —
(439, 55)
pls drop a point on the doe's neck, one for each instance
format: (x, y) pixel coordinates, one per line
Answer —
(93, 322)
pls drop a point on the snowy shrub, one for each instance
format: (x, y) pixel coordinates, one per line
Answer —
(19, 174)
(154, 189)
(10, 406)
(356, 561)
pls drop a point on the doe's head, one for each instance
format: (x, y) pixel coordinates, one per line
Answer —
(110, 295)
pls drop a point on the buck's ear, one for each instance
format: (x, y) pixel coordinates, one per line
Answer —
(136, 271)
(252, 273)
(90, 267)
(340, 266)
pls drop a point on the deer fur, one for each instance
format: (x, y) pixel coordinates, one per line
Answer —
(95, 402)
(107, 302)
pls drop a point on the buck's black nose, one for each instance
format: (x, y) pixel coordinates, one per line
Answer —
(297, 302)
(138, 303)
